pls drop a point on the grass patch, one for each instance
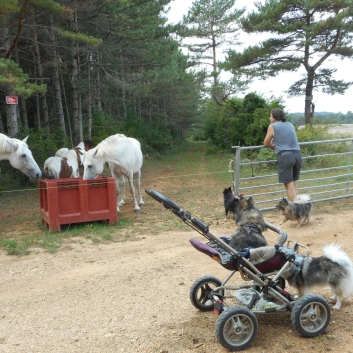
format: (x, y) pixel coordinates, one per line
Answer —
(190, 177)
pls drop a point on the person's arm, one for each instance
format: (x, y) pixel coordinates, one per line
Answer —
(268, 141)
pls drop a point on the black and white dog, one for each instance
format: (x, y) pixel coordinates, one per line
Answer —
(334, 268)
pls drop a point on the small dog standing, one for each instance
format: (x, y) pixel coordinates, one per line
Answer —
(249, 218)
(229, 199)
(299, 210)
(334, 268)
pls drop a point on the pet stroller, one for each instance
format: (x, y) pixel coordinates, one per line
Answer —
(262, 290)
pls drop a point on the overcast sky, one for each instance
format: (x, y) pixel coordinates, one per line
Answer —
(278, 85)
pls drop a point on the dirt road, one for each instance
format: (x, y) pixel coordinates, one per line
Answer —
(134, 296)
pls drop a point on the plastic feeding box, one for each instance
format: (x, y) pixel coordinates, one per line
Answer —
(74, 200)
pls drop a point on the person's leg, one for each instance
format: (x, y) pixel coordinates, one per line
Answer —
(295, 187)
(292, 190)
(288, 174)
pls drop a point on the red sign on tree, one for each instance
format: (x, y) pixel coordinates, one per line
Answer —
(11, 100)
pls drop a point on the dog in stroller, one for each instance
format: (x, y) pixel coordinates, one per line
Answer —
(262, 290)
(251, 225)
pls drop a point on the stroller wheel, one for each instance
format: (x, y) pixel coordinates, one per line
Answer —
(200, 290)
(236, 328)
(311, 315)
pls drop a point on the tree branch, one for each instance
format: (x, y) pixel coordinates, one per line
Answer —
(19, 30)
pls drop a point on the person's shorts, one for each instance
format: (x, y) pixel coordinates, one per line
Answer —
(289, 165)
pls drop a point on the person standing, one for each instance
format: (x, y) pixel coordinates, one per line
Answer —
(281, 137)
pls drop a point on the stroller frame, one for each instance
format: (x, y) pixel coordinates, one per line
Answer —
(236, 327)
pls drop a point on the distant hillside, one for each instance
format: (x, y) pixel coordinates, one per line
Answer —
(326, 117)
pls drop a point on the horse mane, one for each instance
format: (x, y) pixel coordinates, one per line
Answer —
(107, 141)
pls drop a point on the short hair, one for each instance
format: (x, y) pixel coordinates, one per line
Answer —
(278, 114)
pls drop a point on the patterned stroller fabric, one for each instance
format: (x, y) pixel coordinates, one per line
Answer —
(265, 259)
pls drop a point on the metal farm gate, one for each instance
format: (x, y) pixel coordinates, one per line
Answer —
(326, 173)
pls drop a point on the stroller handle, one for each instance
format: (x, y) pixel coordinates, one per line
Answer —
(164, 200)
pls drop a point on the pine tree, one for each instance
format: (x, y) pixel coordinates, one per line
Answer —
(302, 34)
(211, 24)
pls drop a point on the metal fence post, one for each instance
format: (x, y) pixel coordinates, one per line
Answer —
(349, 169)
(237, 170)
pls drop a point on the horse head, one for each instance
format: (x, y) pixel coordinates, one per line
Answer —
(21, 158)
(93, 165)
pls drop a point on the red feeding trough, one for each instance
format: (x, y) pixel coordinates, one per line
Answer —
(74, 200)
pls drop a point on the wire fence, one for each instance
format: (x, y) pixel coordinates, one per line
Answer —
(326, 173)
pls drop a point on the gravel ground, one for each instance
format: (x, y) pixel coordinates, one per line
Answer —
(134, 296)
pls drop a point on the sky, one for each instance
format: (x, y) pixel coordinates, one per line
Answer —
(277, 86)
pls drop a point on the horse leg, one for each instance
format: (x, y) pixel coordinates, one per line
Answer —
(132, 190)
(121, 182)
(137, 177)
(117, 193)
(117, 184)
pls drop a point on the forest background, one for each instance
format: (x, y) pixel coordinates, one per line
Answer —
(87, 70)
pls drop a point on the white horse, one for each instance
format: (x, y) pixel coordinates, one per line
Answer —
(19, 155)
(124, 156)
(66, 167)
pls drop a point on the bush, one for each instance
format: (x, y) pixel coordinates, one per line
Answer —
(319, 133)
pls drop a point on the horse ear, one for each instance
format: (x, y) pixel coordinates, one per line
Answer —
(12, 144)
(95, 153)
(25, 139)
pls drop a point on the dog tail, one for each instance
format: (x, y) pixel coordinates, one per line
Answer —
(336, 254)
(304, 198)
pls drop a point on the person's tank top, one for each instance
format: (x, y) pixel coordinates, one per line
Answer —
(285, 138)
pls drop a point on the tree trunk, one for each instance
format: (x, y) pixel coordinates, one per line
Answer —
(80, 116)
(22, 100)
(214, 61)
(123, 89)
(12, 125)
(24, 112)
(2, 130)
(66, 107)
(75, 91)
(309, 98)
(140, 109)
(41, 81)
(38, 122)
(4, 36)
(98, 91)
(56, 79)
(150, 111)
(89, 98)
(11, 116)
(75, 98)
